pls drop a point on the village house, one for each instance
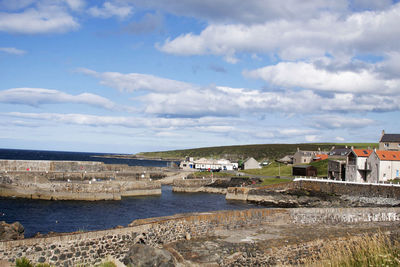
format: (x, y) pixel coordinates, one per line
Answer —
(251, 163)
(389, 142)
(302, 156)
(337, 163)
(357, 168)
(208, 164)
(384, 166)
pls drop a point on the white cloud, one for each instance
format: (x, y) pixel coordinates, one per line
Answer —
(291, 39)
(40, 96)
(110, 9)
(12, 50)
(341, 122)
(76, 5)
(135, 81)
(307, 75)
(247, 12)
(122, 121)
(311, 138)
(38, 20)
(170, 98)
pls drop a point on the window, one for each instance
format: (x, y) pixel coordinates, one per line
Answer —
(386, 144)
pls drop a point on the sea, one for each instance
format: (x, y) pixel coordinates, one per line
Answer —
(46, 216)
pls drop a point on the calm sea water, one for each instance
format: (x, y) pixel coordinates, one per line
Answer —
(67, 216)
(78, 156)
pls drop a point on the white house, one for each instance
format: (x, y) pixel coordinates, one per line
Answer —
(357, 168)
(251, 163)
(384, 166)
(209, 164)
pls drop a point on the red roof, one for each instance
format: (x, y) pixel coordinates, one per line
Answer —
(388, 155)
(362, 152)
(320, 157)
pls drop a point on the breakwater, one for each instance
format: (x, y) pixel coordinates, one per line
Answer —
(92, 247)
(322, 188)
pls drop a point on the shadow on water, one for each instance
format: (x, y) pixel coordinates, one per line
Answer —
(67, 216)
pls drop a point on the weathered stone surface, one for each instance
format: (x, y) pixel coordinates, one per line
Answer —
(11, 231)
(142, 255)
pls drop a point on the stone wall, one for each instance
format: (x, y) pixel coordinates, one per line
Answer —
(324, 186)
(28, 186)
(196, 185)
(92, 247)
(70, 166)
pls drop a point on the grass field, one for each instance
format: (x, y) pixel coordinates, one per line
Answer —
(269, 181)
(273, 169)
(259, 152)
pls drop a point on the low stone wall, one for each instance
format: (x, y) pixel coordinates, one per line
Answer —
(196, 185)
(327, 187)
(353, 189)
(92, 247)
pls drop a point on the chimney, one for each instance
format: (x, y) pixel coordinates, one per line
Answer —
(298, 149)
(383, 132)
(352, 147)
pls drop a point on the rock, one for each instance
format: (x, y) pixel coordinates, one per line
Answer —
(12, 231)
(142, 255)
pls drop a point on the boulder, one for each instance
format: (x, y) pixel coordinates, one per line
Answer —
(142, 255)
(11, 231)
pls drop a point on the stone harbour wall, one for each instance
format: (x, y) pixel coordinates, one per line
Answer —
(91, 247)
(103, 190)
(327, 187)
(196, 185)
(70, 166)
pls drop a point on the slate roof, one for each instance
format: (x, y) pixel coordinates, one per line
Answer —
(362, 152)
(388, 155)
(390, 138)
(339, 152)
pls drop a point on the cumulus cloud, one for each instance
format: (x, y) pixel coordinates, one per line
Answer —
(12, 50)
(136, 81)
(38, 19)
(110, 9)
(39, 96)
(363, 32)
(307, 75)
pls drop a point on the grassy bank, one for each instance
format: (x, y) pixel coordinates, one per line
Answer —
(367, 250)
(259, 152)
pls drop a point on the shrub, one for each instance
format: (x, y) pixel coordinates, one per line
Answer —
(23, 262)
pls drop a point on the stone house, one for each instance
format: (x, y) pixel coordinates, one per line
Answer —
(389, 142)
(357, 168)
(337, 163)
(337, 170)
(302, 156)
(251, 163)
(384, 166)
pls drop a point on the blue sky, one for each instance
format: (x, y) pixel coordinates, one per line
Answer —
(126, 76)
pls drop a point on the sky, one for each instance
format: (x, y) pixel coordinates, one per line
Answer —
(127, 76)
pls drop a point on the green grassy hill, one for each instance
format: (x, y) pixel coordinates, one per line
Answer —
(259, 152)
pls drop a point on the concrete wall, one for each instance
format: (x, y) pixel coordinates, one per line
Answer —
(91, 247)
